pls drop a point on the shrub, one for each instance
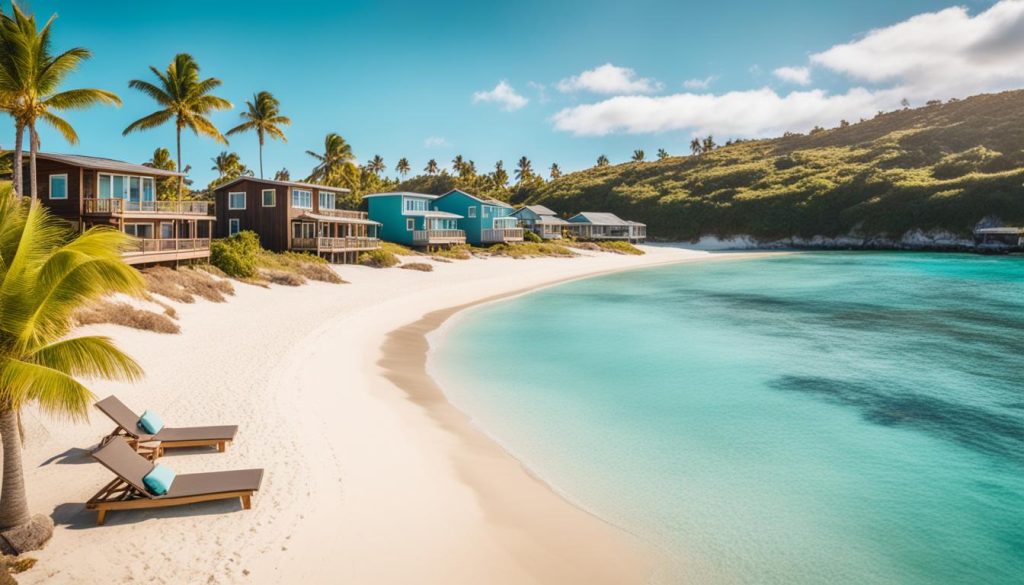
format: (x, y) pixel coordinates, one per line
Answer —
(398, 249)
(529, 236)
(236, 255)
(620, 248)
(184, 284)
(420, 266)
(281, 277)
(379, 258)
(125, 315)
(301, 264)
(455, 252)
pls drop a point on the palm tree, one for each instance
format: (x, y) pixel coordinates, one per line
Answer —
(376, 165)
(227, 163)
(336, 156)
(708, 144)
(30, 77)
(44, 278)
(638, 155)
(431, 168)
(184, 98)
(663, 154)
(403, 167)
(162, 160)
(457, 163)
(467, 170)
(264, 116)
(524, 169)
(555, 171)
(282, 175)
(602, 161)
(696, 147)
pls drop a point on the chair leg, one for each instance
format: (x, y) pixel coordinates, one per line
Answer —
(101, 516)
(222, 446)
(246, 502)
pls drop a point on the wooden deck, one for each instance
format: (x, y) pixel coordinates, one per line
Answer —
(342, 244)
(145, 251)
(438, 237)
(502, 235)
(122, 207)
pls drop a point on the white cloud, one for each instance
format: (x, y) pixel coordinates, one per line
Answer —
(939, 54)
(797, 75)
(755, 113)
(609, 79)
(935, 55)
(502, 94)
(541, 89)
(435, 142)
(700, 83)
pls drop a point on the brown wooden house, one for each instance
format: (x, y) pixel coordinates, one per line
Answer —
(91, 191)
(291, 216)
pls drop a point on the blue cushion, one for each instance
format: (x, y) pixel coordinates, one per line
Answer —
(151, 422)
(159, 480)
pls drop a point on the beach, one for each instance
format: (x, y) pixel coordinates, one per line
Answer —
(371, 475)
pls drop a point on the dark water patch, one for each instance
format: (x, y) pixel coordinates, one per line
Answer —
(974, 427)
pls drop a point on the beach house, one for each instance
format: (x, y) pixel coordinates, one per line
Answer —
(411, 219)
(485, 220)
(593, 225)
(91, 191)
(541, 221)
(297, 217)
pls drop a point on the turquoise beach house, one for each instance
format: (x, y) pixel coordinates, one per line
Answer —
(485, 220)
(411, 219)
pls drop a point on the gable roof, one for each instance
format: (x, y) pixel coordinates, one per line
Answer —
(103, 164)
(487, 200)
(598, 218)
(400, 193)
(286, 184)
(539, 210)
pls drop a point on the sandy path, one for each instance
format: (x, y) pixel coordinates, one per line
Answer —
(371, 476)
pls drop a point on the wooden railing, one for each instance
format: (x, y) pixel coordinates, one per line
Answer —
(157, 245)
(503, 235)
(343, 243)
(343, 213)
(122, 206)
(439, 237)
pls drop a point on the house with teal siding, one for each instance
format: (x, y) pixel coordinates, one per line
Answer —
(485, 220)
(541, 221)
(411, 219)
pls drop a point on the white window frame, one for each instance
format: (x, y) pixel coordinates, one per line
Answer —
(303, 192)
(162, 226)
(66, 186)
(234, 226)
(333, 198)
(410, 224)
(472, 212)
(273, 197)
(134, 224)
(231, 196)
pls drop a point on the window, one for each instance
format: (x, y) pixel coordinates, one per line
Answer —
(236, 200)
(415, 204)
(117, 186)
(139, 230)
(269, 197)
(302, 199)
(167, 231)
(104, 187)
(472, 211)
(327, 200)
(234, 226)
(148, 192)
(120, 187)
(58, 186)
(485, 210)
(410, 224)
(303, 230)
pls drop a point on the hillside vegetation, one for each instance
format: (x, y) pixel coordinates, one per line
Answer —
(940, 167)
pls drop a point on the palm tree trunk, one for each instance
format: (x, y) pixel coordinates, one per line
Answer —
(19, 151)
(261, 159)
(13, 501)
(181, 178)
(33, 148)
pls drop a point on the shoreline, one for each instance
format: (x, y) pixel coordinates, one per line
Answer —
(363, 481)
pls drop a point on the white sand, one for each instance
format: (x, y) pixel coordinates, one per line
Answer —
(364, 483)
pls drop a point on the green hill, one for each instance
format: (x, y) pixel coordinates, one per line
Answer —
(939, 167)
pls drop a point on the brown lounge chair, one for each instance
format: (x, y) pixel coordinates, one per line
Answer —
(169, 438)
(128, 492)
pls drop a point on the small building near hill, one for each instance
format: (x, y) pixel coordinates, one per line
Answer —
(411, 219)
(294, 216)
(541, 221)
(484, 220)
(593, 225)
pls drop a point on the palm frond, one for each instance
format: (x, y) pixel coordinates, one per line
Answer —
(88, 357)
(158, 94)
(76, 99)
(151, 121)
(61, 125)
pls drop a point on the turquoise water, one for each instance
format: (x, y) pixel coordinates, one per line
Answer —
(815, 418)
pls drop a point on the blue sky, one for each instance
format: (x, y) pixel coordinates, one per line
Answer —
(399, 79)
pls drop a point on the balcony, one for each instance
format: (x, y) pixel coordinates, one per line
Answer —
(342, 213)
(502, 235)
(126, 207)
(146, 250)
(324, 244)
(437, 237)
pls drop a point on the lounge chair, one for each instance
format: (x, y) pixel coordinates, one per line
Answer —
(128, 492)
(169, 438)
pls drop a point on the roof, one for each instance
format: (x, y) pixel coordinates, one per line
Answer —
(432, 213)
(539, 209)
(104, 164)
(487, 200)
(336, 219)
(551, 219)
(599, 218)
(400, 193)
(1009, 231)
(286, 184)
